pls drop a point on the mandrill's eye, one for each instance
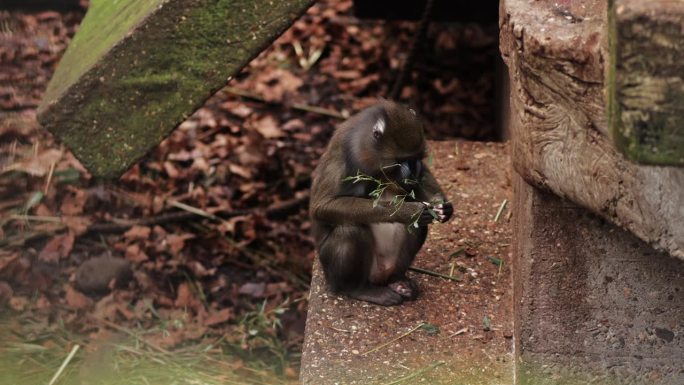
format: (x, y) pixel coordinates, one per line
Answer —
(379, 128)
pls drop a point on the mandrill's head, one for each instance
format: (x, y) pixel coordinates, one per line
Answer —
(386, 139)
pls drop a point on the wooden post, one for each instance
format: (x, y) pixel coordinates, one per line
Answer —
(592, 303)
(137, 68)
(597, 292)
(556, 52)
(646, 79)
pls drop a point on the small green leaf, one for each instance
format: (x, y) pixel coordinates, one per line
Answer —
(430, 329)
(68, 176)
(458, 252)
(486, 324)
(33, 201)
(494, 260)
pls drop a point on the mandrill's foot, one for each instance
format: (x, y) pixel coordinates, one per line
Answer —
(380, 295)
(405, 288)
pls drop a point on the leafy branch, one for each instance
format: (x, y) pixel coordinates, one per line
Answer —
(397, 200)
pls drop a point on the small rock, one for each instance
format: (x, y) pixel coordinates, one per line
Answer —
(95, 275)
(665, 334)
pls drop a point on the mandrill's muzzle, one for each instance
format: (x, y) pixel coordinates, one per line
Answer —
(411, 170)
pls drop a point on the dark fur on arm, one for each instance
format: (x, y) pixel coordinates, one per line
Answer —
(430, 189)
(360, 210)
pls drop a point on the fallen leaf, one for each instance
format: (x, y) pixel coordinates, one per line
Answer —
(135, 254)
(76, 300)
(255, 290)
(137, 232)
(6, 292)
(241, 171)
(219, 317)
(58, 247)
(77, 225)
(73, 203)
(185, 297)
(268, 127)
(36, 165)
(176, 242)
(18, 303)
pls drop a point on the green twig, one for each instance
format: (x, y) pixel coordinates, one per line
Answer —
(416, 373)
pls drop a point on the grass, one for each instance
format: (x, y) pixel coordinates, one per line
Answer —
(33, 353)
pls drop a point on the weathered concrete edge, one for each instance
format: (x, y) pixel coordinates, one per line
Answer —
(631, 198)
(80, 116)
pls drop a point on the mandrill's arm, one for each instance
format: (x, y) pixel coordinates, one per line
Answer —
(433, 194)
(354, 210)
(430, 190)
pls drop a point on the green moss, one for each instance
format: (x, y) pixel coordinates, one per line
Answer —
(105, 24)
(153, 80)
(645, 89)
(548, 371)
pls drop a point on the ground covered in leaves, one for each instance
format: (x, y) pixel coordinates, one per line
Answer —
(203, 247)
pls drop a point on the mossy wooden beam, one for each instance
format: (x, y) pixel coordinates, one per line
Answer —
(646, 79)
(137, 68)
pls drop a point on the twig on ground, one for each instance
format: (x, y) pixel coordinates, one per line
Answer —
(501, 209)
(64, 364)
(458, 332)
(130, 333)
(274, 211)
(393, 340)
(416, 373)
(192, 210)
(277, 210)
(296, 106)
(435, 274)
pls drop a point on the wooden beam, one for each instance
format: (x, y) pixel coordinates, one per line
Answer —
(646, 79)
(557, 53)
(137, 68)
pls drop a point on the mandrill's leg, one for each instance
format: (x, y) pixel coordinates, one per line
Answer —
(346, 255)
(399, 282)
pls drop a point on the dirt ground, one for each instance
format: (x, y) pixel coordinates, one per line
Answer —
(468, 324)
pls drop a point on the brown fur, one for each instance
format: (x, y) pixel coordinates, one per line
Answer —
(346, 226)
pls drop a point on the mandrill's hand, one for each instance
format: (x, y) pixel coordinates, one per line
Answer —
(444, 211)
(439, 211)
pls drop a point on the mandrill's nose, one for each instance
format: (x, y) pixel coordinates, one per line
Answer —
(411, 169)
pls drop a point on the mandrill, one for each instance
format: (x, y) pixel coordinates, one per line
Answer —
(371, 201)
